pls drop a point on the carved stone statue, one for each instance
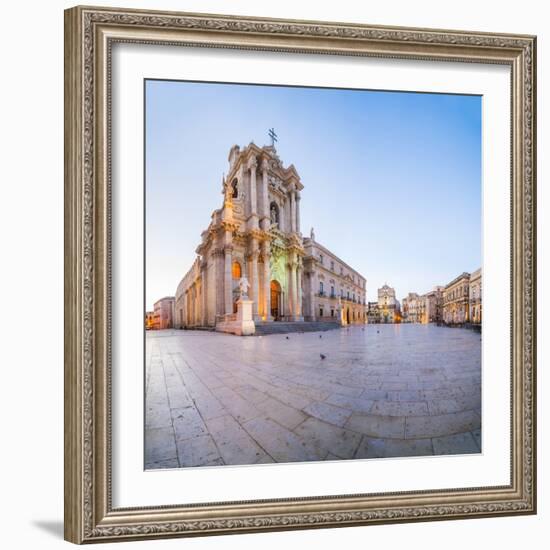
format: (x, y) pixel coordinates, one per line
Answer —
(228, 191)
(312, 234)
(244, 285)
(274, 215)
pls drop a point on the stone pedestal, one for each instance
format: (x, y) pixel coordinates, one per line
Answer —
(240, 323)
(245, 323)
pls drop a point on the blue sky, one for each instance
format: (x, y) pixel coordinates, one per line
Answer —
(392, 180)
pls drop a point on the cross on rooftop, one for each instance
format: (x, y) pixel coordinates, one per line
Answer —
(273, 136)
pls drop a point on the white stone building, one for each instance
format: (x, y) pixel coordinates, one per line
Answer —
(456, 300)
(163, 313)
(388, 306)
(433, 307)
(411, 307)
(332, 290)
(475, 297)
(256, 234)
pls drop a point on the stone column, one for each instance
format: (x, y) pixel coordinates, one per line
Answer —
(293, 291)
(254, 277)
(185, 319)
(293, 210)
(187, 304)
(298, 212)
(267, 282)
(228, 280)
(252, 163)
(289, 310)
(265, 196)
(299, 292)
(217, 255)
(195, 304)
(204, 309)
(312, 295)
(192, 305)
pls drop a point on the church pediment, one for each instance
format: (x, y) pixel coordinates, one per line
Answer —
(292, 176)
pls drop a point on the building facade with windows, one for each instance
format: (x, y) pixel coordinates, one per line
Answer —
(433, 306)
(188, 300)
(332, 290)
(424, 308)
(411, 306)
(149, 320)
(388, 306)
(373, 314)
(256, 235)
(163, 313)
(456, 300)
(475, 297)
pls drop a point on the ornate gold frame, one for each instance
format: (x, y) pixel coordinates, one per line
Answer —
(89, 34)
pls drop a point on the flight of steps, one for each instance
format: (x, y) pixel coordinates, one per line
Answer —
(207, 329)
(280, 327)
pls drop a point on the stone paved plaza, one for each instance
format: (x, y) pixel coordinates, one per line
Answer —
(381, 391)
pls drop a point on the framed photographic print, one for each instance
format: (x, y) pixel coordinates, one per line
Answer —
(300, 274)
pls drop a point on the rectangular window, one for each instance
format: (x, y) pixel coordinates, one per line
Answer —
(320, 312)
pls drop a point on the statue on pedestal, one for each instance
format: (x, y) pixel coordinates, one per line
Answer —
(244, 285)
(274, 215)
(227, 191)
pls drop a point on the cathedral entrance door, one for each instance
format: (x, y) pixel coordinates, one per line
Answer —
(275, 300)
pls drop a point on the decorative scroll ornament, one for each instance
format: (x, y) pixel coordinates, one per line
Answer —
(276, 183)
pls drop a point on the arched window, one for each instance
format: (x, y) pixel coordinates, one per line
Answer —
(274, 214)
(236, 270)
(235, 189)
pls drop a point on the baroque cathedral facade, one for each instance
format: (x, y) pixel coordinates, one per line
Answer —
(256, 234)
